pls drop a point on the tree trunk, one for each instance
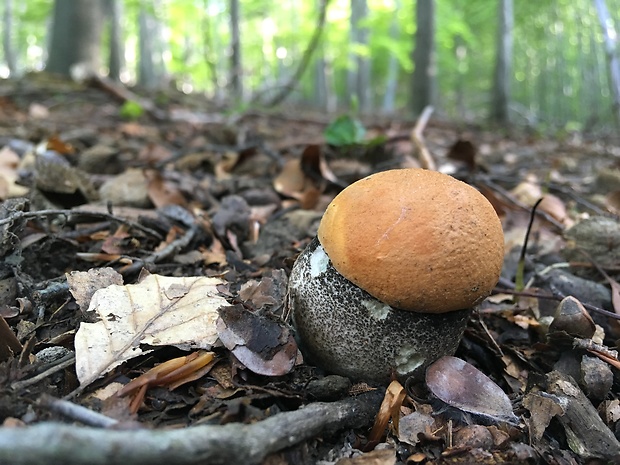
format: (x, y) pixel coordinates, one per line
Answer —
(358, 77)
(423, 85)
(236, 83)
(115, 61)
(7, 38)
(151, 67)
(76, 38)
(210, 54)
(391, 79)
(610, 38)
(503, 65)
(305, 59)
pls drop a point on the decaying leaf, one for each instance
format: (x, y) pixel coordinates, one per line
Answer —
(390, 408)
(84, 284)
(543, 407)
(375, 457)
(462, 386)
(158, 311)
(261, 344)
(412, 425)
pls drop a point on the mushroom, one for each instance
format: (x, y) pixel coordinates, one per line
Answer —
(400, 259)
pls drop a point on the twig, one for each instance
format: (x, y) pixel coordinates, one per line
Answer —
(73, 213)
(586, 433)
(508, 196)
(231, 443)
(76, 412)
(426, 159)
(63, 363)
(557, 296)
(521, 263)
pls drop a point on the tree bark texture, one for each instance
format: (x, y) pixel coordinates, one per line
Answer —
(503, 64)
(359, 74)
(76, 37)
(7, 38)
(115, 61)
(611, 42)
(424, 73)
(236, 71)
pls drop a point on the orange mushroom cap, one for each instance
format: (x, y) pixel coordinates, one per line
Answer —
(415, 239)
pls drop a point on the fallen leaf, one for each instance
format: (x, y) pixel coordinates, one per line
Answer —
(84, 284)
(543, 407)
(158, 311)
(390, 408)
(261, 344)
(462, 386)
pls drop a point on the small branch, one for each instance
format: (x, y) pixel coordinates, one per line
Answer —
(77, 213)
(231, 443)
(426, 159)
(62, 363)
(76, 412)
(586, 433)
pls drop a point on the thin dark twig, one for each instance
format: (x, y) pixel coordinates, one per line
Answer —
(68, 213)
(557, 296)
(521, 262)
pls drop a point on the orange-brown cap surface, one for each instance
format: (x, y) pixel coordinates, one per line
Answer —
(415, 239)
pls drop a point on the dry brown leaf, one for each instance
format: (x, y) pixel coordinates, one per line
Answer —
(163, 192)
(390, 408)
(375, 457)
(160, 310)
(262, 344)
(612, 202)
(542, 410)
(291, 181)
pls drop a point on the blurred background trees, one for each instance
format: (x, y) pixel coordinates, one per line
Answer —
(547, 64)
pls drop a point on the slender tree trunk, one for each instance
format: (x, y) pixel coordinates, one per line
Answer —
(236, 82)
(305, 59)
(611, 41)
(115, 60)
(423, 85)
(503, 65)
(151, 66)
(460, 53)
(359, 74)
(76, 37)
(7, 38)
(209, 51)
(146, 67)
(391, 79)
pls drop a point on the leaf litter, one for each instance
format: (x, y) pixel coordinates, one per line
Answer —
(185, 308)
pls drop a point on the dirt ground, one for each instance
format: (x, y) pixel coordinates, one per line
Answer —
(173, 197)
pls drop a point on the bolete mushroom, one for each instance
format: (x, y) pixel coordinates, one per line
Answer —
(387, 286)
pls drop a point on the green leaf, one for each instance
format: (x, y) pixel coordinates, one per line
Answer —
(345, 130)
(131, 110)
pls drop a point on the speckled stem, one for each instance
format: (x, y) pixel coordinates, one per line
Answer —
(346, 331)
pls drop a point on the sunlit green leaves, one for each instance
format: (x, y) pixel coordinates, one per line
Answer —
(345, 130)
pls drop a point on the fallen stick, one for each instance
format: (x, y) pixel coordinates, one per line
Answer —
(586, 433)
(212, 444)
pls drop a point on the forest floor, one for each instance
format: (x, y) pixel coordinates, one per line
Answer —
(114, 218)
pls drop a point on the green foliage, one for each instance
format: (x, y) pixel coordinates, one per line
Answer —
(131, 110)
(559, 62)
(345, 130)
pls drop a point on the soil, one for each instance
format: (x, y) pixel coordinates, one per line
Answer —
(191, 189)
